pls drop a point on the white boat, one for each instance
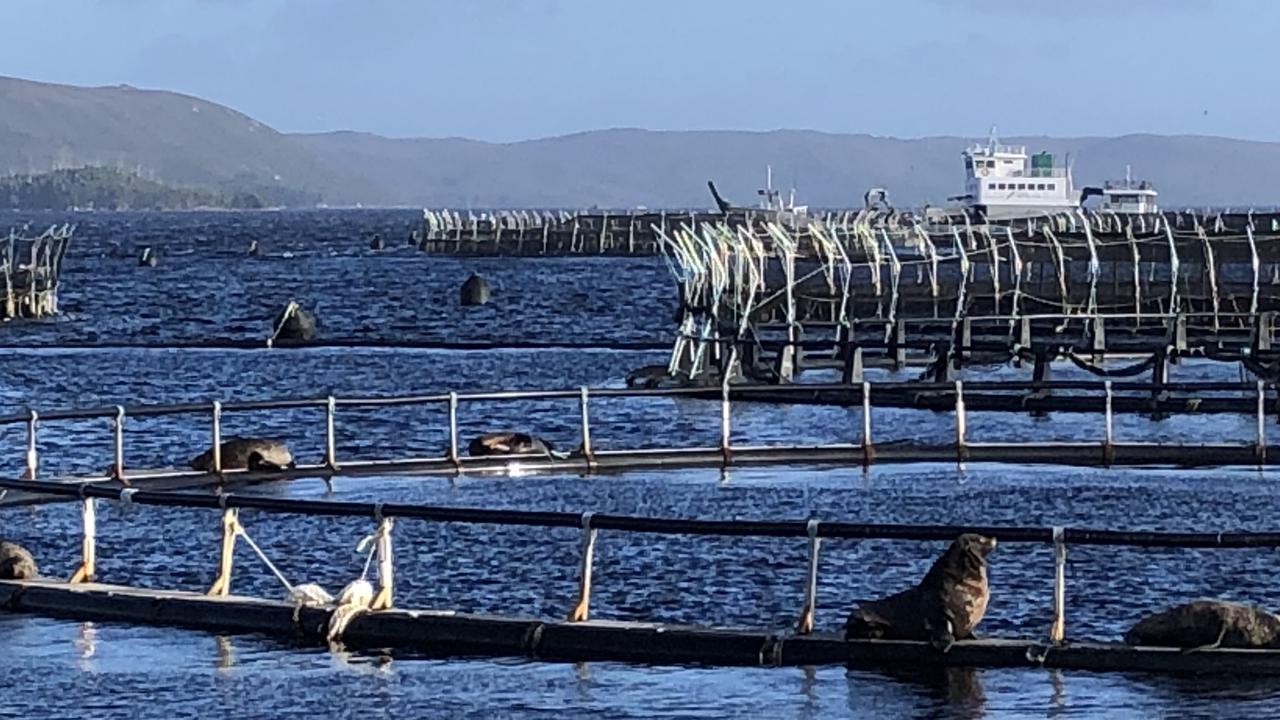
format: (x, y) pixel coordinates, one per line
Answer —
(1129, 196)
(1001, 182)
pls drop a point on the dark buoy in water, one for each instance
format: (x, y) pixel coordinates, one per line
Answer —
(16, 562)
(294, 323)
(376, 242)
(255, 250)
(147, 258)
(475, 291)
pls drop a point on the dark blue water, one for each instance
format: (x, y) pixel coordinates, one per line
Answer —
(206, 287)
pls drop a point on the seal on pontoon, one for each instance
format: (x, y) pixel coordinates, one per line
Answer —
(1205, 624)
(475, 291)
(258, 454)
(255, 248)
(944, 607)
(16, 562)
(510, 443)
(375, 243)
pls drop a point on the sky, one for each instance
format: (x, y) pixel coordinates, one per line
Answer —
(506, 70)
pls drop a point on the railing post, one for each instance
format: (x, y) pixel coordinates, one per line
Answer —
(725, 449)
(805, 626)
(586, 431)
(88, 544)
(867, 449)
(386, 568)
(962, 452)
(1108, 439)
(330, 436)
(1057, 631)
(217, 437)
(230, 528)
(453, 429)
(1262, 423)
(117, 467)
(581, 610)
(33, 459)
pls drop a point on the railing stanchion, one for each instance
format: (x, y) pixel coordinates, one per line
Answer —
(582, 610)
(805, 626)
(453, 429)
(330, 435)
(33, 458)
(1057, 631)
(586, 431)
(1262, 423)
(961, 451)
(386, 568)
(217, 437)
(88, 544)
(230, 528)
(1108, 432)
(117, 467)
(867, 451)
(726, 451)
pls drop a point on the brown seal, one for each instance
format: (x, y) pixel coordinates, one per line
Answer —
(508, 443)
(259, 454)
(16, 562)
(1206, 624)
(946, 606)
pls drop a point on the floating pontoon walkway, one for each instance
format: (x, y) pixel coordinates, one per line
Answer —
(444, 633)
(578, 638)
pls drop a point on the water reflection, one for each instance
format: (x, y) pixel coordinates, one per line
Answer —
(952, 692)
(86, 641)
(226, 658)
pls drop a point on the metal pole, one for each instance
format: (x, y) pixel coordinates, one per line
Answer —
(117, 468)
(1107, 417)
(88, 544)
(586, 429)
(386, 568)
(581, 611)
(1058, 630)
(724, 422)
(866, 414)
(960, 420)
(1262, 418)
(330, 439)
(32, 456)
(805, 626)
(217, 436)
(453, 428)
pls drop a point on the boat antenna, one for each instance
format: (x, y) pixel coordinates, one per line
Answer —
(991, 138)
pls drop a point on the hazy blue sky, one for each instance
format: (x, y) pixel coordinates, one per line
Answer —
(514, 69)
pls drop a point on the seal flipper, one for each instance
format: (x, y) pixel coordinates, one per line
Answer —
(1222, 633)
(941, 637)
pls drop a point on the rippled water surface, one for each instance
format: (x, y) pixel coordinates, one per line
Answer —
(206, 287)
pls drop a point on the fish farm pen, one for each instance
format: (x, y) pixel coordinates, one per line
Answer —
(32, 266)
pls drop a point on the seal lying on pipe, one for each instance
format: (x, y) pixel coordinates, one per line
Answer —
(258, 454)
(512, 443)
(16, 562)
(946, 606)
(1207, 624)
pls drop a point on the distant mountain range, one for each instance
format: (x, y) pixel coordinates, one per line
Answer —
(184, 141)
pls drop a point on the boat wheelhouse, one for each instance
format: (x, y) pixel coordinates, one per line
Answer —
(1129, 196)
(1002, 182)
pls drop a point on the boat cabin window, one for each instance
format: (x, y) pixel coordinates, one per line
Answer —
(1053, 186)
(1003, 186)
(1040, 186)
(1022, 186)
